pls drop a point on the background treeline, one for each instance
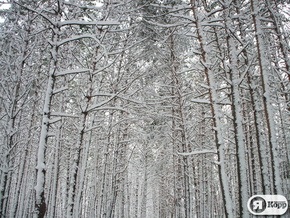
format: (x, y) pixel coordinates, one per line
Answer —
(147, 108)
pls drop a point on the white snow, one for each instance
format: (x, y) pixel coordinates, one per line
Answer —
(78, 37)
(75, 71)
(62, 114)
(201, 101)
(80, 22)
(204, 151)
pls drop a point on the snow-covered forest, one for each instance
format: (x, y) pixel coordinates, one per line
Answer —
(143, 108)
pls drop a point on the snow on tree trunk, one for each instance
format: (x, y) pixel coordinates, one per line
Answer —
(209, 74)
(180, 110)
(268, 108)
(237, 117)
(40, 201)
(40, 204)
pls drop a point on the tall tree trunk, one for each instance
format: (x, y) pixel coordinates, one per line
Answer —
(209, 75)
(40, 203)
(268, 110)
(236, 80)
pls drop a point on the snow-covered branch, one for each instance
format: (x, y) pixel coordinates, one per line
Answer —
(60, 90)
(75, 71)
(61, 114)
(78, 37)
(205, 151)
(82, 23)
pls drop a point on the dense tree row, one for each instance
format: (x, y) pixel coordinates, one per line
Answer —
(148, 108)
